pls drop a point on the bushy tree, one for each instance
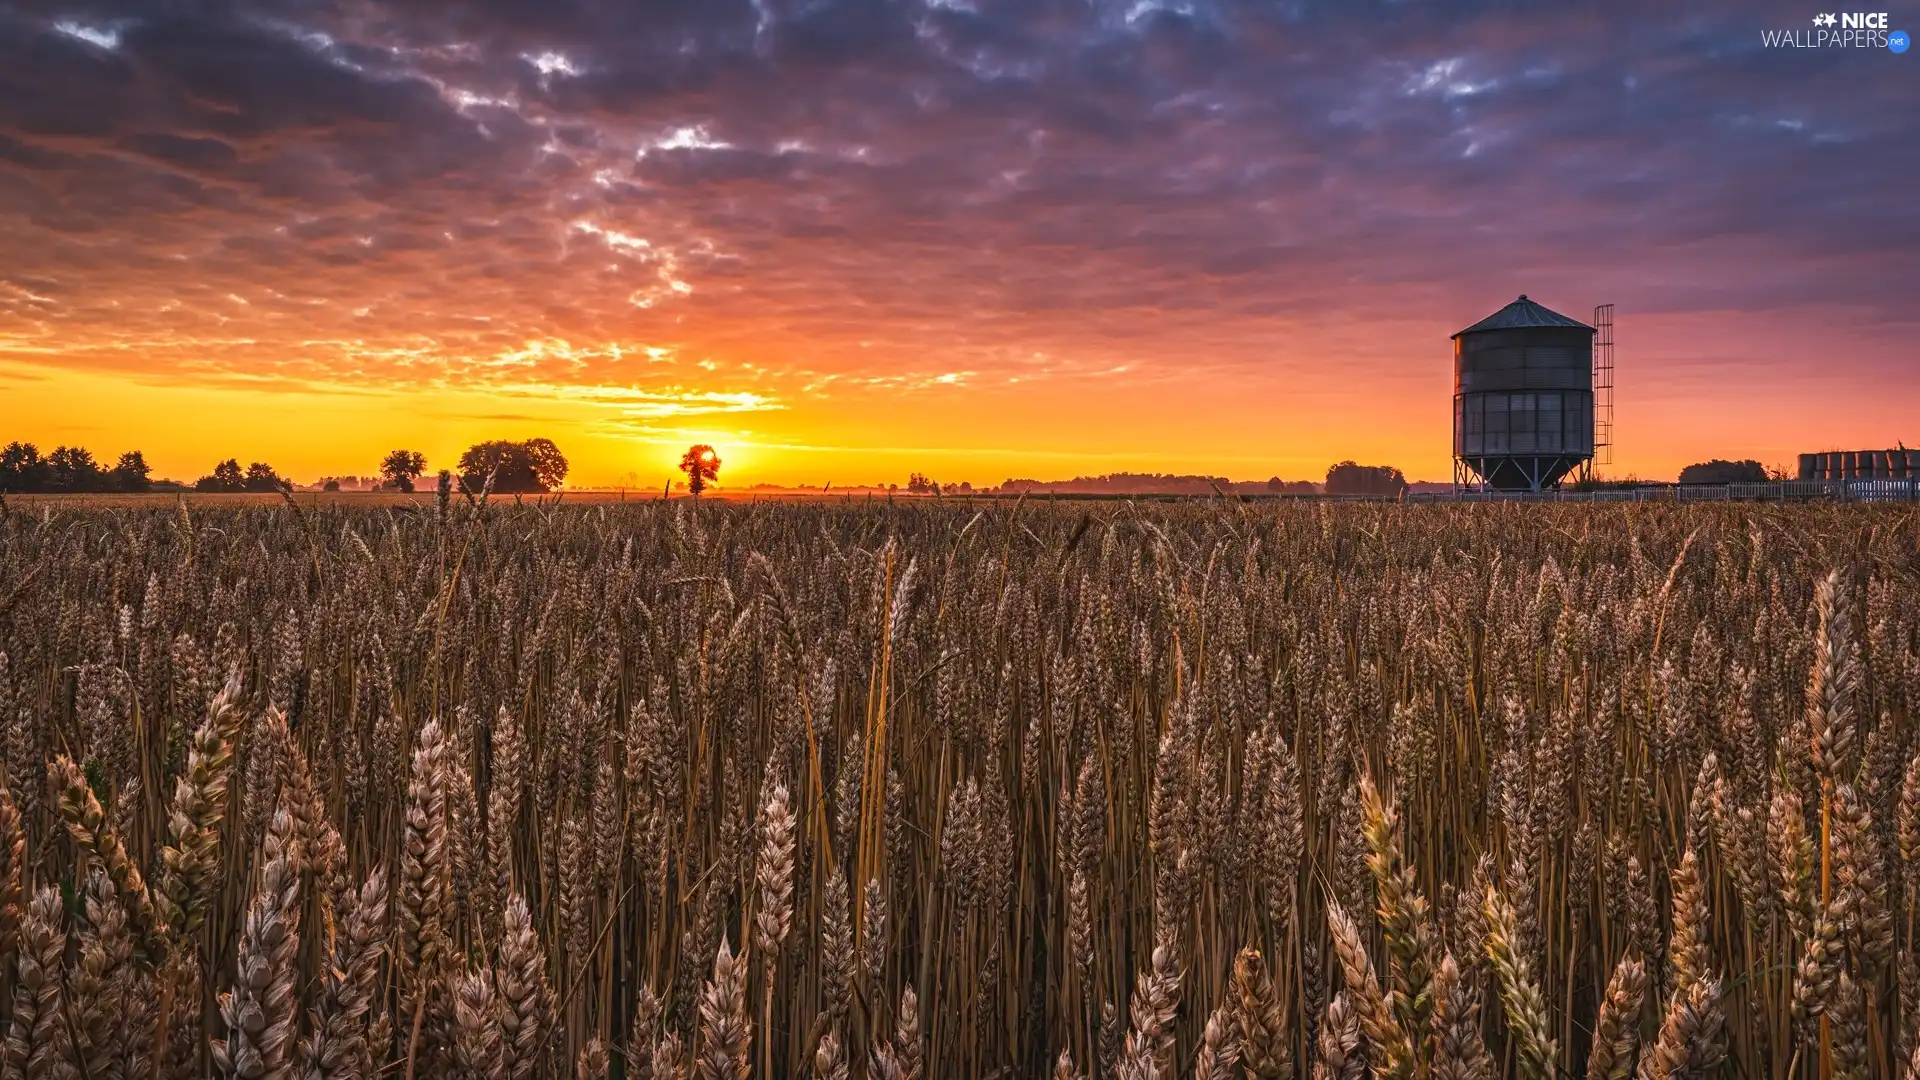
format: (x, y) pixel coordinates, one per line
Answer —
(22, 468)
(400, 467)
(1347, 478)
(226, 477)
(1719, 471)
(261, 477)
(529, 467)
(72, 469)
(549, 464)
(131, 472)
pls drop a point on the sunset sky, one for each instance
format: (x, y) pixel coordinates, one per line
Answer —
(846, 239)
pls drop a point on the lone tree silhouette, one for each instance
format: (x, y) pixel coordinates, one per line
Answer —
(701, 465)
(400, 467)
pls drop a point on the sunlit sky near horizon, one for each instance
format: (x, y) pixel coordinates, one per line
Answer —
(848, 239)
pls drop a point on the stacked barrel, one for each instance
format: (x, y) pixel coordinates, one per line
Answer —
(1897, 464)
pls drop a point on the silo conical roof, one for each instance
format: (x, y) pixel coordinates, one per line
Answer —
(1523, 313)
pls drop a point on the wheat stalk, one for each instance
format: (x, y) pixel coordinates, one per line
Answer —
(36, 1035)
(725, 1032)
(1388, 1043)
(87, 825)
(1690, 1044)
(1339, 1056)
(1458, 1052)
(1520, 992)
(1616, 1035)
(260, 1012)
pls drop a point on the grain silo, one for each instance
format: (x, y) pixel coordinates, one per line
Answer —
(1523, 404)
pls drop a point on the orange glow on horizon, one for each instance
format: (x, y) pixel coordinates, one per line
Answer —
(1245, 425)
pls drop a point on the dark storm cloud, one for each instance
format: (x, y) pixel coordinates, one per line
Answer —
(395, 190)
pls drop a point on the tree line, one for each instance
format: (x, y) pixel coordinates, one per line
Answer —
(69, 469)
(532, 466)
(1344, 478)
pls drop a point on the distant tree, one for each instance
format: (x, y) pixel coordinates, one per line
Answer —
(1277, 486)
(262, 477)
(400, 467)
(226, 477)
(919, 484)
(131, 472)
(1347, 478)
(1719, 471)
(701, 465)
(331, 484)
(22, 468)
(502, 464)
(549, 464)
(71, 469)
(517, 468)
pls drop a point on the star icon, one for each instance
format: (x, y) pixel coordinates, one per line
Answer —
(1824, 20)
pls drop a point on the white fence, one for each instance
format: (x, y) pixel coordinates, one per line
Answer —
(1774, 491)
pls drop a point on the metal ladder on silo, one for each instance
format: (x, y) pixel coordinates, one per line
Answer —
(1603, 385)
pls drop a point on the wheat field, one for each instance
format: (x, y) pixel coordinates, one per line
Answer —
(1209, 790)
